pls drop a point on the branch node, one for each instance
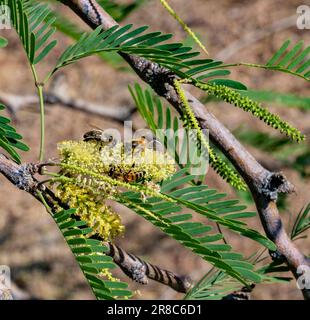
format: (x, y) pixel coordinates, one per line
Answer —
(243, 294)
(278, 257)
(25, 180)
(274, 184)
(136, 272)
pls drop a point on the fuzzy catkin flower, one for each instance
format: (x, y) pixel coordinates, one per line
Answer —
(91, 208)
(81, 153)
(155, 166)
(216, 162)
(92, 173)
(235, 98)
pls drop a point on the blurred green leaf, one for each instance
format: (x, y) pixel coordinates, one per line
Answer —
(3, 42)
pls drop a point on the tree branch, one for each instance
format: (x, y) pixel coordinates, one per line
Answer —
(57, 93)
(263, 184)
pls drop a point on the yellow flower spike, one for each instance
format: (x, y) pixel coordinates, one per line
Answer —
(86, 182)
(101, 218)
(216, 162)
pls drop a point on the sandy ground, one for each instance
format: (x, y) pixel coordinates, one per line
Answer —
(41, 263)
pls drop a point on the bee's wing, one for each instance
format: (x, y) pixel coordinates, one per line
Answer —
(93, 126)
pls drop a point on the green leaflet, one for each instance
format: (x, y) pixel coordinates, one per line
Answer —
(32, 22)
(3, 42)
(302, 223)
(295, 60)
(9, 139)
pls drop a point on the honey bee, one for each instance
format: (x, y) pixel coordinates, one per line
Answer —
(142, 143)
(105, 138)
(126, 176)
(135, 145)
(99, 136)
(134, 176)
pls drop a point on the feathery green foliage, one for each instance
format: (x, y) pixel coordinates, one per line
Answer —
(295, 60)
(125, 40)
(225, 213)
(9, 138)
(216, 285)
(152, 46)
(195, 235)
(302, 224)
(118, 11)
(3, 42)
(72, 30)
(91, 257)
(32, 22)
(192, 235)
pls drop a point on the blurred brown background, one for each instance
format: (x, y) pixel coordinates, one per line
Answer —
(41, 264)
